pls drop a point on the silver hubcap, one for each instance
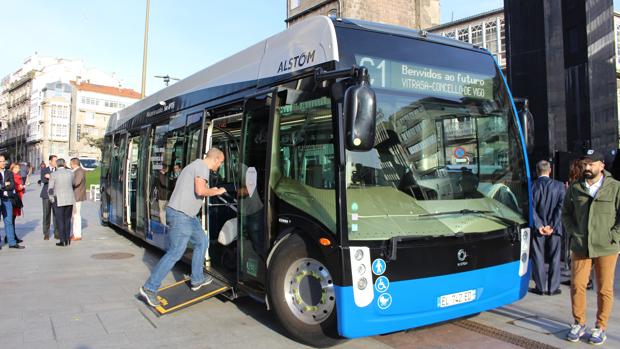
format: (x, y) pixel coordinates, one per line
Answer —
(309, 291)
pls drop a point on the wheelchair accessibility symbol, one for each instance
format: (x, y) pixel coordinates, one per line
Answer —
(378, 266)
(382, 284)
(384, 301)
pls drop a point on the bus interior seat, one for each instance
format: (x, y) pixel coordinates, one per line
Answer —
(229, 232)
(314, 176)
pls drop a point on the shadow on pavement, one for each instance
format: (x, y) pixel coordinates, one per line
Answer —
(151, 255)
(22, 229)
(258, 311)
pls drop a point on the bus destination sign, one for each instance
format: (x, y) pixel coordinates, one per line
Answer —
(426, 79)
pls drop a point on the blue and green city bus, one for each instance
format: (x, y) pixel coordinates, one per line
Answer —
(377, 177)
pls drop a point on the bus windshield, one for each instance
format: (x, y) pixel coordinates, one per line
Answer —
(447, 158)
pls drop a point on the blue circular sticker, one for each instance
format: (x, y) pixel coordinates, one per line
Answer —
(378, 266)
(382, 284)
(384, 301)
(354, 207)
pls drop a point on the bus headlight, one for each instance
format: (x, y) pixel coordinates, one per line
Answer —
(361, 269)
(524, 261)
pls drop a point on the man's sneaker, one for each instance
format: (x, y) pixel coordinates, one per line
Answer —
(149, 296)
(598, 336)
(208, 279)
(576, 332)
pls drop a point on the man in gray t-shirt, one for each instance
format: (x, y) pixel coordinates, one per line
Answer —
(183, 225)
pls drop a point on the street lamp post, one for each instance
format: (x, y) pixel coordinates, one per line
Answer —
(144, 54)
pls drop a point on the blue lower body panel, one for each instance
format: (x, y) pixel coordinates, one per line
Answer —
(157, 234)
(414, 303)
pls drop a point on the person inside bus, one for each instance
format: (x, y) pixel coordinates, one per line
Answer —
(162, 192)
(176, 171)
(363, 175)
(469, 185)
(183, 206)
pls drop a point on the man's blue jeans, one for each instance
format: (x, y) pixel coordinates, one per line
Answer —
(182, 229)
(6, 209)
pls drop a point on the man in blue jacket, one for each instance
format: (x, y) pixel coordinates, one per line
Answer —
(548, 197)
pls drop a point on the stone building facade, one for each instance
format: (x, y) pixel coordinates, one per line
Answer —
(417, 14)
(487, 30)
(90, 111)
(40, 108)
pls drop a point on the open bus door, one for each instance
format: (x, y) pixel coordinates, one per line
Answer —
(105, 180)
(135, 182)
(117, 192)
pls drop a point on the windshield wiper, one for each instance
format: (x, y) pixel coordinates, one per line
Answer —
(511, 229)
(465, 211)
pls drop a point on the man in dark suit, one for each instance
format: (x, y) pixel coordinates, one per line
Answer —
(7, 191)
(548, 197)
(47, 204)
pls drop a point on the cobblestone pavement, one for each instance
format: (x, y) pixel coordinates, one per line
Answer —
(54, 297)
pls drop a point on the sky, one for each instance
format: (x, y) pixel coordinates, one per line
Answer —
(185, 36)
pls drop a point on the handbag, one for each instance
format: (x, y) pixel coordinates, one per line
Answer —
(17, 202)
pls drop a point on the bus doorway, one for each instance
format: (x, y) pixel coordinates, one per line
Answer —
(221, 212)
(117, 180)
(134, 190)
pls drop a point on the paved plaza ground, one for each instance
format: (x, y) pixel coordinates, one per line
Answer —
(54, 297)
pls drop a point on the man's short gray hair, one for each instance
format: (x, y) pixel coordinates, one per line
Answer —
(60, 162)
(215, 153)
(543, 167)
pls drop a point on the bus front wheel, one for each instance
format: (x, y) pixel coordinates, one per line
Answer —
(302, 294)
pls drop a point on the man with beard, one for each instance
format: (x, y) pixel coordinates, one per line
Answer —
(590, 216)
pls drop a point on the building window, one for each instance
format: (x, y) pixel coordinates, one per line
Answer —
(618, 44)
(90, 100)
(476, 35)
(59, 130)
(490, 31)
(449, 34)
(502, 35)
(78, 132)
(463, 34)
(295, 4)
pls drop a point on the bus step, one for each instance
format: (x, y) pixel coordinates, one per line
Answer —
(180, 295)
(231, 294)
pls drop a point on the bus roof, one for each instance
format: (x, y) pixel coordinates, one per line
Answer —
(308, 43)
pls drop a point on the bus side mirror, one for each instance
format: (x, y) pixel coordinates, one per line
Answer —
(527, 123)
(360, 113)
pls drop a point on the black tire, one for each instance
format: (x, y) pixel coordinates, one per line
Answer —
(101, 221)
(294, 252)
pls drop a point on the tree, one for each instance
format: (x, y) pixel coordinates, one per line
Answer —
(95, 142)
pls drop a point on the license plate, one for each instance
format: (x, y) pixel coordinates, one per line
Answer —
(457, 298)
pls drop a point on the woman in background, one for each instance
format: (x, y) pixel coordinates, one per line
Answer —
(19, 191)
(575, 171)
